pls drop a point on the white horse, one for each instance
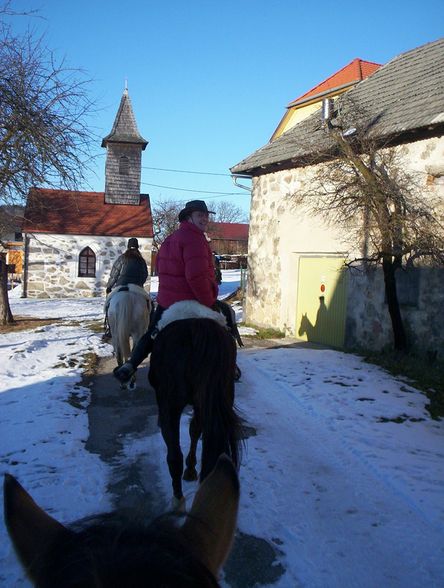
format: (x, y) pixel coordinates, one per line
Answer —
(128, 317)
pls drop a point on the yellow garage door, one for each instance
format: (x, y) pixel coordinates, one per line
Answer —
(322, 300)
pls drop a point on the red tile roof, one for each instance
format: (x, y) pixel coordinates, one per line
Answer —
(355, 71)
(230, 231)
(85, 213)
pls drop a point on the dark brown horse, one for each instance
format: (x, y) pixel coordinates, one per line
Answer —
(193, 363)
(113, 553)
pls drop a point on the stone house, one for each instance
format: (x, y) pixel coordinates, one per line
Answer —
(72, 238)
(229, 238)
(306, 292)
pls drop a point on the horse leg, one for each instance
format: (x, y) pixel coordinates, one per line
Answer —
(170, 428)
(132, 383)
(190, 473)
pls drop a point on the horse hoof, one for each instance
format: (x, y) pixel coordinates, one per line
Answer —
(237, 374)
(178, 504)
(190, 475)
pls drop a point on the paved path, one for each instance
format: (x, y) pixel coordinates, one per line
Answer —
(117, 418)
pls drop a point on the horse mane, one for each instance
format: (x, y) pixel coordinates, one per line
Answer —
(111, 550)
(119, 549)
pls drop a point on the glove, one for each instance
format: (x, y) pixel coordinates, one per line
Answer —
(108, 290)
(124, 372)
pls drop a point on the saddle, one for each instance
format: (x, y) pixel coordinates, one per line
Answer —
(224, 315)
(186, 309)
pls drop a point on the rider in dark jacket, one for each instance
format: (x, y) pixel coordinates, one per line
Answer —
(129, 268)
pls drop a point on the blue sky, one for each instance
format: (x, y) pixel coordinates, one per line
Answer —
(209, 81)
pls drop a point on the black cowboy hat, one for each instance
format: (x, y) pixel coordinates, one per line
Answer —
(133, 243)
(193, 206)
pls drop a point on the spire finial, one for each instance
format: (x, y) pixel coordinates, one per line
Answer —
(126, 86)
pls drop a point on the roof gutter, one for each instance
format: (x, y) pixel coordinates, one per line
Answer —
(236, 177)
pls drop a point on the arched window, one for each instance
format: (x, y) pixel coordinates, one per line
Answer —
(124, 165)
(87, 263)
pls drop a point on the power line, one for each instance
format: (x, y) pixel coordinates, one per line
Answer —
(188, 190)
(184, 171)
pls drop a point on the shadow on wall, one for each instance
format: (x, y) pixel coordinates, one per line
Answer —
(315, 332)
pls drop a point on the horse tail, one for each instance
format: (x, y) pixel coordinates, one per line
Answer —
(125, 304)
(214, 363)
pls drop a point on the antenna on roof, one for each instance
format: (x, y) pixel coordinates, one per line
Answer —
(126, 86)
(327, 109)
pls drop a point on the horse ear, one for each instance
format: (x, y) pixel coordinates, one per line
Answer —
(213, 515)
(31, 529)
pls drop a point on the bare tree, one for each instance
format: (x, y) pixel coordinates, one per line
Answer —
(165, 220)
(227, 212)
(367, 190)
(44, 133)
(7, 9)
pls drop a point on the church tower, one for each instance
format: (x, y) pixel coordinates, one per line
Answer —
(124, 146)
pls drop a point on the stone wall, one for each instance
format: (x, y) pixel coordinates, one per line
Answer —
(52, 264)
(281, 232)
(421, 296)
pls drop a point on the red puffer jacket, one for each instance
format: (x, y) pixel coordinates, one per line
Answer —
(185, 268)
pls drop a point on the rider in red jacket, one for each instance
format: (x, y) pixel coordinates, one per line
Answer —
(186, 272)
(185, 263)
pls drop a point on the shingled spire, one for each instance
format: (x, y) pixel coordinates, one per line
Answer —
(124, 146)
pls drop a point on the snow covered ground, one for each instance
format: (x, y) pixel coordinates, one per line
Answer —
(341, 494)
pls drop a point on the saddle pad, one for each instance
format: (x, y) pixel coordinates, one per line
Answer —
(186, 309)
(132, 288)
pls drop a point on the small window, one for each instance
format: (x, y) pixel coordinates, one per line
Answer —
(87, 263)
(124, 165)
(407, 286)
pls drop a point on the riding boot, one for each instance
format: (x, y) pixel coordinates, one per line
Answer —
(107, 334)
